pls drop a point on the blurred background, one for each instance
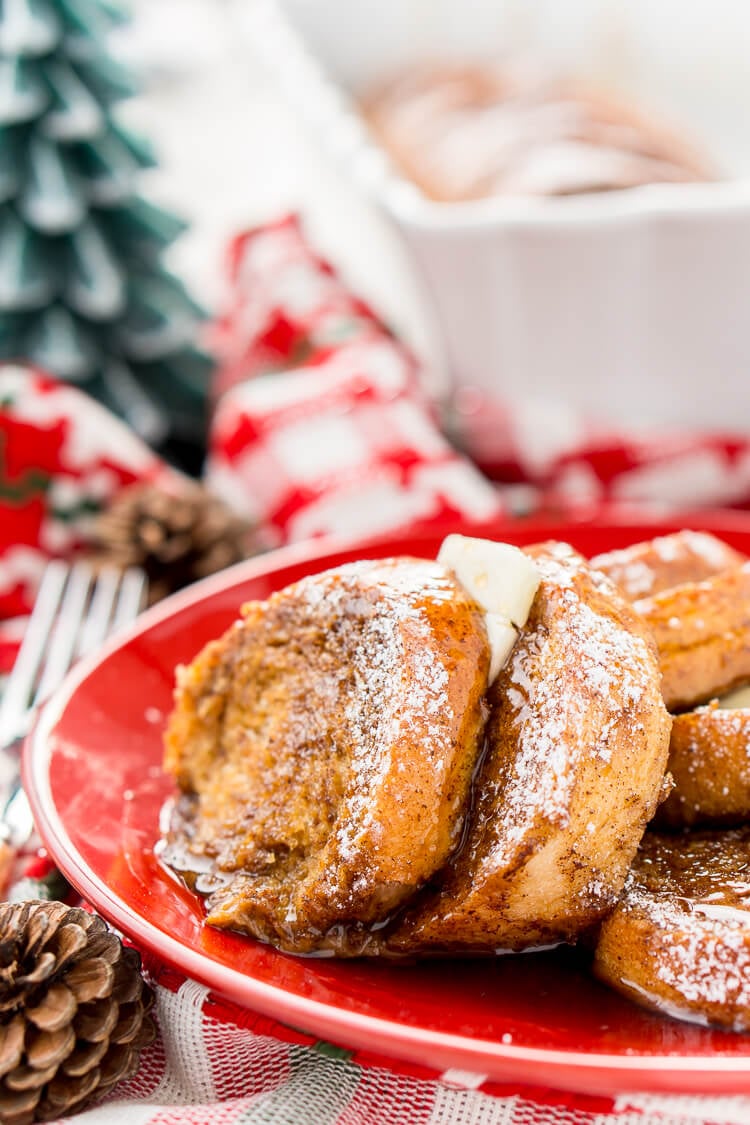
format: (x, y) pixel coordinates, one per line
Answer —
(462, 258)
(606, 307)
(233, 152)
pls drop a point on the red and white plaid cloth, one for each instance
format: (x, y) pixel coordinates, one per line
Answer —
(288, 311)
(342, 446)
(63, 458)
(214, 1062)
(320, 425)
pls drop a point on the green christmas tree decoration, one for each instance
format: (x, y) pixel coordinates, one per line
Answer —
(83, 293)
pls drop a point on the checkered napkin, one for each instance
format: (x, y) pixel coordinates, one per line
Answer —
(318, 418)
(288, 311)
(214, 1062)
(343, 446)
(63, 458)
(321, 426)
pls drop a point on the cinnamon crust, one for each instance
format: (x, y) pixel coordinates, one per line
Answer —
(709, 761)
(350, 786)
(650, 567)
(702, 632)
(576, 750)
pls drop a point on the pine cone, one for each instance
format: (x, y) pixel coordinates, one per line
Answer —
(73, 1010)
(176, 537)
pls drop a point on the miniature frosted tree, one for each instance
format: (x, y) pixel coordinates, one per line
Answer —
(83, 293)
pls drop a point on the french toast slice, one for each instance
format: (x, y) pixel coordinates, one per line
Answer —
(709, 763)
(679, 940)
(324, 747)
(702, 632)
(576, 748)
(647, 568)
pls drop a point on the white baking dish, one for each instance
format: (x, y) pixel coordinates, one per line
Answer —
(633, 306)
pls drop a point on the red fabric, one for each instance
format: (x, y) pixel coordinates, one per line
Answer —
(563, 455)
(287, 306)
(288, 310)
(320, 426)
(62, 459)
(341, 447)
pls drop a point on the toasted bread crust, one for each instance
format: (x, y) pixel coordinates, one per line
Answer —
(709, 761)
(657, 564)
(702, 632)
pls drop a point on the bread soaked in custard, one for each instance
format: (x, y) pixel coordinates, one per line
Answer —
(335, 797)
(324, 747)
(577, 743)
(702, 632)
(709, 763)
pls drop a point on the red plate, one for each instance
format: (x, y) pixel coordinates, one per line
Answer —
(93, 771)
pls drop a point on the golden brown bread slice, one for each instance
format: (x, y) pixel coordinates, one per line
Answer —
(679, 940)
(325, 746)
(709, 761)
(576, 750)
(702, 632)
(647, 568)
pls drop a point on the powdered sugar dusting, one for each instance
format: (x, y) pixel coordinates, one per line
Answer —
(709, 548)
(667, 547)
(637, 578)
(708, 958)
(696, 899)
(381, 707)
(634, 576)
(605, 669)
(685, 556)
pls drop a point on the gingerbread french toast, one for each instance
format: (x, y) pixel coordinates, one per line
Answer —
(390, 759)
(694, 592)
(702, 632)
(475, 131)
(679, 940)
(328, 753)
(577, 741)
(692, 589)
(324, 748)
(646, 568)
(709, 765)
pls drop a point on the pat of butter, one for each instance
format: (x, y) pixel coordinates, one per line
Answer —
(502, 580)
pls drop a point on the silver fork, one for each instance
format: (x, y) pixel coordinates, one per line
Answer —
(74, 611)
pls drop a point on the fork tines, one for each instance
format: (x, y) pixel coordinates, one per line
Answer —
(75, 609)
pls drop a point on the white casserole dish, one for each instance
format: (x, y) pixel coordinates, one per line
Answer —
(632, 307)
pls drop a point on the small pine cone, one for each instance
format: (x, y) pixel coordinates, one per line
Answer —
(73, 1010)
(175, 536)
